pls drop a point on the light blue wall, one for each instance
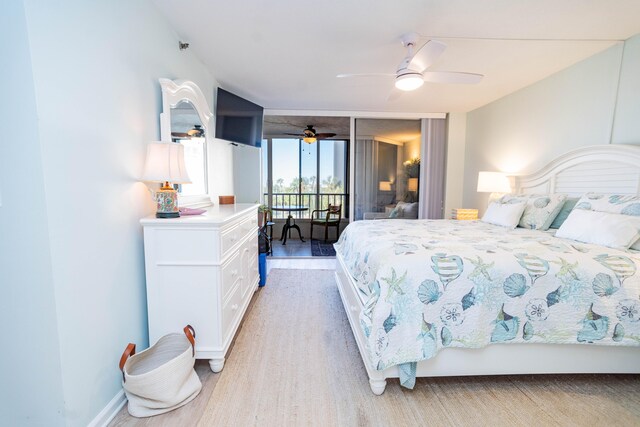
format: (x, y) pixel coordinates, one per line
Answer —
(30, 372)
(593, 102)
(94, 79)
(626, 127)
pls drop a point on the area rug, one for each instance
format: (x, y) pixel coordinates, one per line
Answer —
(320, 248)
(295, 363)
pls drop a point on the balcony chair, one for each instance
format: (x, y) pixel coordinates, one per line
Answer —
(331, 219)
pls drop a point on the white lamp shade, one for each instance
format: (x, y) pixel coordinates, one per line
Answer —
(165, 162)
(412, 184)
(384, 185)
(493, 182)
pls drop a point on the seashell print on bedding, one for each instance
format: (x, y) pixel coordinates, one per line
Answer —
(439, 291)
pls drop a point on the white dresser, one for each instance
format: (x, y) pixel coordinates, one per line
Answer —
(202, 270)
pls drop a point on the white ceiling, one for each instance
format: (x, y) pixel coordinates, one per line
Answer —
(285, 54)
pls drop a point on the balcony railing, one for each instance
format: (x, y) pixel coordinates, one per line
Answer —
(311, 200)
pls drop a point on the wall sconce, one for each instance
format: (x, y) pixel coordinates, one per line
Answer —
(165, 164)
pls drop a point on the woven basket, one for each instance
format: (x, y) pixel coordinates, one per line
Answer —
(161, 378)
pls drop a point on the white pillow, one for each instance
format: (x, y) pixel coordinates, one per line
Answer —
(601, 228)
(636, 245)
(504, 214)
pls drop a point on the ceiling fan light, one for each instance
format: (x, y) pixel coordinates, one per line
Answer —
(309, 139)
(409, 81)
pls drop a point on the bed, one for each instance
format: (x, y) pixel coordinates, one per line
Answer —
(446, 298)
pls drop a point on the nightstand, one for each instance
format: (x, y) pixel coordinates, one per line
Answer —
(464, 214)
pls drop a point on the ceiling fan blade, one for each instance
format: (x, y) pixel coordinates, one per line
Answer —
(451, 77)
(427, 55)
(295, 134)
(341, 76)
(180, 135)
(394, 95)
(325, 135)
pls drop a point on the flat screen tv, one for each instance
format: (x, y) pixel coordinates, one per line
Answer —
(238, 120)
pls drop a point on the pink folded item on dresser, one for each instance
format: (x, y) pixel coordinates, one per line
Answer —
(190, 211)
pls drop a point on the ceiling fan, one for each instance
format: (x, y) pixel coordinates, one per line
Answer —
(411, 72)
(309, 135)
(196, 132)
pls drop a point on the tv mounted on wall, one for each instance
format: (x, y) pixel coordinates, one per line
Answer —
(237, 120)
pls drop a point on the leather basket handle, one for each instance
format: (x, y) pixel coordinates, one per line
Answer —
(128, 352)
(191, 336)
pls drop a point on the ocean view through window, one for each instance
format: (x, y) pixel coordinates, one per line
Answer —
(301, 174)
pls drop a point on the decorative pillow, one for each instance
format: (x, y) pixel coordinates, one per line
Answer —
(395, 213)
(504, 214)
(636, 245)
(624, 204)
(410, 210)
(601, 228)
(540, 210)
(566, 209)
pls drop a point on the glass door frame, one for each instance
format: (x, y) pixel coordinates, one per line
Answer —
(353, 115)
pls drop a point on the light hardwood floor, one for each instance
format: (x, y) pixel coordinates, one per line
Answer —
(295, 362)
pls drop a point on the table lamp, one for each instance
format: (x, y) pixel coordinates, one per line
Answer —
(412, 184)
(495, 183)
(384, 185)
(165, 164)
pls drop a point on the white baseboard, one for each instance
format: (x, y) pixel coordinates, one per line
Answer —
(110, 411)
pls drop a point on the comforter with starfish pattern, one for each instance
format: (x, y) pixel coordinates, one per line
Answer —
(432, 284)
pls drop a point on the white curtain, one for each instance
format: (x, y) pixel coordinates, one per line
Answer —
(366, 174)
(433, 168)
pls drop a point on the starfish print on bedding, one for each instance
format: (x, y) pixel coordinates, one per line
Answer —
(480, 268)
(394, 283)
(566, 268)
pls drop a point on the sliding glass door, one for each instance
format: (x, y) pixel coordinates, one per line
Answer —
(386, 166)
(301, 174)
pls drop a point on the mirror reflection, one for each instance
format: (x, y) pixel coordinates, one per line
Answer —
(187, 129)
(387, 168)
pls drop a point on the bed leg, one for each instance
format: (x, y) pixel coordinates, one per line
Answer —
(377, 386)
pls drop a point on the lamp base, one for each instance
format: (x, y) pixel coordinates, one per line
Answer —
(167, 214)
(167, 202)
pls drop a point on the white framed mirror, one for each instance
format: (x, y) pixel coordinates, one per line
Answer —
(186, 119)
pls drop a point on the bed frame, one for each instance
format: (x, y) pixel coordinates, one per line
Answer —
(606, 168)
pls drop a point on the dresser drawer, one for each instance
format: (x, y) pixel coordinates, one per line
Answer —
(231, 271)
(229, 238)
(231, 310)
(249, 225)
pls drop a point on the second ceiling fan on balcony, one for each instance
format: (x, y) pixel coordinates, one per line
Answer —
(309, 135)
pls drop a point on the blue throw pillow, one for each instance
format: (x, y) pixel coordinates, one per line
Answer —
(566, 209)
(395, 213)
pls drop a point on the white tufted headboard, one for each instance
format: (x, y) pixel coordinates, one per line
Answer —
(611, 168)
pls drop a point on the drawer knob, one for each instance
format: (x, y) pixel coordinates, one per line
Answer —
(234, 272)
(354, 308)
(234, 307)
